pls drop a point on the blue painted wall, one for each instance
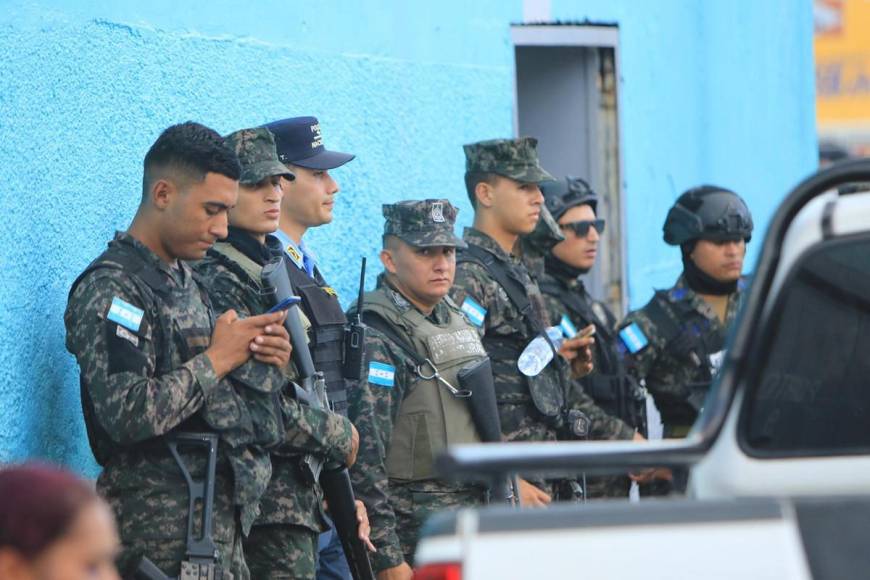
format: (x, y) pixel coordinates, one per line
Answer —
(85, 88)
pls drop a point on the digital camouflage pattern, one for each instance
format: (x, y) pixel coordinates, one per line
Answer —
(396, 509)
(281, 552)
(513, 158)
(669, 371)
(256, 151)
(423, 223)
(147, 380)
(291, 499)
(506, 331)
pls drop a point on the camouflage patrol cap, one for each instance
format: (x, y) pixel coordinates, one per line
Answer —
(513, 158)
(256, 151)
(422, 223)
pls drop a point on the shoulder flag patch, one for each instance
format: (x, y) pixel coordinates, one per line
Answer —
(568, 328)
(473, 311)
(633, 338)
(382, 374)
(125, 314)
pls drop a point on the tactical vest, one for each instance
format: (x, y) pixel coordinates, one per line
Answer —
(545, 390)
(609, 386)
(691, 339)
(326, 336)
(430, 418)
(189, 341)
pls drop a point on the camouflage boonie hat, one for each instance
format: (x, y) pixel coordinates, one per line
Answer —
(423, 223)
(513, 158)
(256, 151)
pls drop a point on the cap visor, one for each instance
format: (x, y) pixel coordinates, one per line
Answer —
(432, 240)
(530, 175)
(324, 160)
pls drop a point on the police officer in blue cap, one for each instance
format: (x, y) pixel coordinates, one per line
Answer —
(308, 203)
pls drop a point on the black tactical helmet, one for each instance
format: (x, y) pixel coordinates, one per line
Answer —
(707, 212)
(563, 194)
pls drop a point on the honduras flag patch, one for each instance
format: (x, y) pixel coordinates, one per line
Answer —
(568, 328)
(125, 314)
(473, 311)
(633, 338)
(382, 374)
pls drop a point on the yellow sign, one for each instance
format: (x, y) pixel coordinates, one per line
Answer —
(842, 49)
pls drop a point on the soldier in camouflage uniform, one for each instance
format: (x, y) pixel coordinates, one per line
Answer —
(404, 414)
(499, 296)
(154, 361)
(283, 542)
(675, 342)
(611, 398)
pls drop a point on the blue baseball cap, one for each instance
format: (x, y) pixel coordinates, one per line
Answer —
(300, 142)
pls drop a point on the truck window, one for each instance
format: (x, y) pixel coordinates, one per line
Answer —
(813, 396)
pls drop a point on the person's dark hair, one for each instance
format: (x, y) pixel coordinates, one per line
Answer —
(187, 152)
(38, 504)
(472, 178)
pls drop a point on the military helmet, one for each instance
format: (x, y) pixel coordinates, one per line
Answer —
(563, 194)
(707, 212)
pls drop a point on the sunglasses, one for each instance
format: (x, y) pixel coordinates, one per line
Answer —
(581, 228)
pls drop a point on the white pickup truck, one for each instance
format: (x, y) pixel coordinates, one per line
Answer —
(778, 462)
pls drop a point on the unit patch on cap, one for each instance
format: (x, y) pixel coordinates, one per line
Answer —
(382, 374)
(318, 137)
(438, 212)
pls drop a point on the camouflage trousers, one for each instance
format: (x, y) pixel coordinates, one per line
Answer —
(414, 502)
(278, 551)
(607, 486)
(167, 555)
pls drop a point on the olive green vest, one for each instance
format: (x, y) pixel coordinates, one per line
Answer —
(430, 417)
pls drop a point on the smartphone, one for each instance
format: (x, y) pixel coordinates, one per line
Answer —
(285, 304)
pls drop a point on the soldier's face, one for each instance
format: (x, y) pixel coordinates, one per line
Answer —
(196, 217)
(309, 199)
(259, 207)
(87, 551)
(423, 275)
(579, 252)
(723, 260)
(516, 206)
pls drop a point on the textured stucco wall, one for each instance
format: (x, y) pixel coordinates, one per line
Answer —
(85, 87)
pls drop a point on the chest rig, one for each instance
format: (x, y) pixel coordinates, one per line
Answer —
(545, 390)
(430, 417)
(175, 339)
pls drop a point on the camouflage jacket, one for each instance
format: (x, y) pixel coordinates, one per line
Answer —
(607, 361)
(374, 408)
(290, 498)
(674, 344)
(139, 328)
(530, 409)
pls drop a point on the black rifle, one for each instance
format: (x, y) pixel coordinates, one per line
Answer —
(202, 553)
(334, 478)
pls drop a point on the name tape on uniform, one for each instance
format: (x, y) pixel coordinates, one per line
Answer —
(473, 311)
(568, 328)
(125, 314)
(382, 374)
(633, 338)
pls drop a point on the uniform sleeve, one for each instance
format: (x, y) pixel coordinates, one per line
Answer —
(603, 426)
(476, 294)
(118, 364)
(373, 405)
(308, 430)
(639, 363)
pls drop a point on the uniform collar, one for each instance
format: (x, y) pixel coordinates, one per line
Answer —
(681, 291)
(296, 252)
(482, 240)
(440, 314)
(179, 272)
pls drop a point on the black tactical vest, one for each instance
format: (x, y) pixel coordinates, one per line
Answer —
(321, 306)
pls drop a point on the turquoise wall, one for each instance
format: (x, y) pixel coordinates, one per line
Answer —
(85, 88)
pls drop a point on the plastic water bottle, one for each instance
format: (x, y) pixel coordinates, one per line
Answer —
(538, 353)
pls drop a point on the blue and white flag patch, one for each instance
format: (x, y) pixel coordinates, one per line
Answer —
(568, 328)
(473, 311)
(125, 314)
(633, 338)
(382, 374)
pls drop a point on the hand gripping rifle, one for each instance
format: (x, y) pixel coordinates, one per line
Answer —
(333, 477)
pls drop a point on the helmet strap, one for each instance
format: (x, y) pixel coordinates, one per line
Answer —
(698, 280)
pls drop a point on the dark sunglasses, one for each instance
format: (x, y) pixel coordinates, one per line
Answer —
(581, 228)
